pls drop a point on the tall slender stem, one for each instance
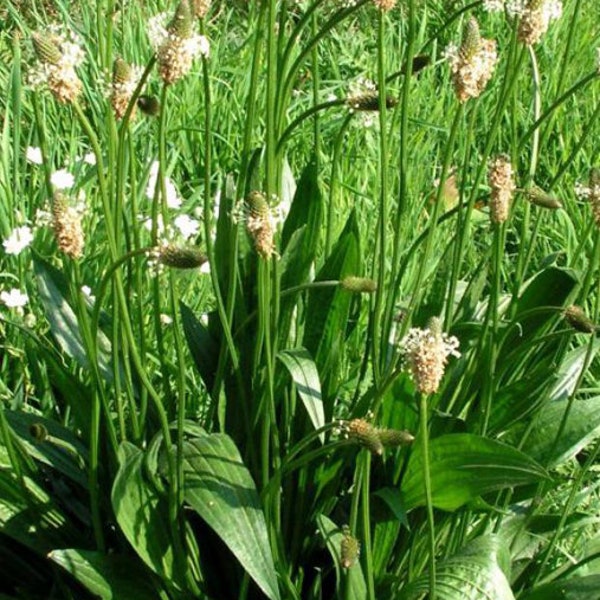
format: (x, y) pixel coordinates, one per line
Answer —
(424, 439)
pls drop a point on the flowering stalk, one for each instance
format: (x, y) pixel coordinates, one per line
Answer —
(424, 440)
(176, 45)
(58, 55)
(472, 64)
(379, 269)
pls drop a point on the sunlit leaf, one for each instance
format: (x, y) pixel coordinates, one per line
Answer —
(475, 572)
(220, 489)
(464, 466)
(109, 576)
(355, 580)
(304, 374)
(141, 514)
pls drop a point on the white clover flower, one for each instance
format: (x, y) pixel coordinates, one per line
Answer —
(160, 226)
(87, 292)
(217, 204)
(187, 226)
(42, 217)
(493, 5)
(62, 179)
(515, 8)
(14, 298)
(34, 155)
(205, 269)
(89, 158)
(172, 198)
(165, 319)
(18, 240)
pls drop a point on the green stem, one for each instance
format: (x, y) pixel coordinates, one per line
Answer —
(367, 545)
(424, 437)
(379, 345)
(424, 261)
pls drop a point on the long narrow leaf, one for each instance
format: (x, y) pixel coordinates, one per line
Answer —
(304, 373)
(220, 489)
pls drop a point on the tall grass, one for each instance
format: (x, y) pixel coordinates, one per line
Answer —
(302, 353)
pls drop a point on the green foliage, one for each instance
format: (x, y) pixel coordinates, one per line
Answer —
(237, 431)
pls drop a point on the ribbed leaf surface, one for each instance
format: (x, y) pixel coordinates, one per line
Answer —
(220, 489)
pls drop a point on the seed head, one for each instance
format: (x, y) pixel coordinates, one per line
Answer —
(385, 5)
(369, 102)
(501, 180)
(57, 55)
(66, 222)
(200, 8)
(535, 19)
(363, 433)
(176, 44)
(124, 83)
(259, 224)
(426, 353)
(472, 64)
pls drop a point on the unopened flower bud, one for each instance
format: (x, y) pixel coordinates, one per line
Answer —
(181, 24)
(45, 48)
(349, 549)
(180, 257)
(358, 284)
(392, 438)
(578, 320)
(540, 198)
(66, 222)
(369, 102)
(149, 105)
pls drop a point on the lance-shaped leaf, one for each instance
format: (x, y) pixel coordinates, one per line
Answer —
(478, 571)
(63, 321)
(304, 374)
(219, 487)
(464, 466)
(581, 427)
(577, 588)
(333, 535)
(141, 514)
(110, 577)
